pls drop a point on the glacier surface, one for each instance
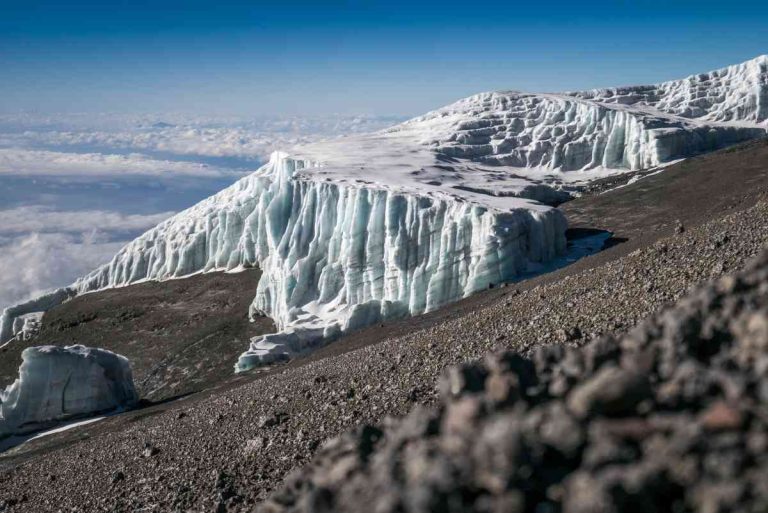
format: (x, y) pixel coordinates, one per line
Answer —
(352, 231)
(59, 383)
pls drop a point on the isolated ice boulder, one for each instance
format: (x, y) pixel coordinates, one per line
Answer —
(10, 327)
(59, 383)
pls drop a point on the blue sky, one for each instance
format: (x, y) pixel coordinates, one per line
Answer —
(361, 57)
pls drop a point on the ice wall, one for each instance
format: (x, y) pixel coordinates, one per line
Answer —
(335, 258)
(567, 133)
(735, 94)
(58, 383)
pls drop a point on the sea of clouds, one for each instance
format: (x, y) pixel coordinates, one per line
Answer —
(75, 188)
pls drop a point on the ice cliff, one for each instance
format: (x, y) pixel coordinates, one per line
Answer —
(59, 383)
(356, 230)
(737, 94)
(548, 132)
(336, 257)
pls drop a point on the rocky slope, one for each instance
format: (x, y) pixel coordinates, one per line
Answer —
(671, 417)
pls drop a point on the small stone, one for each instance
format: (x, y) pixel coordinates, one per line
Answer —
(254, 445)
(502, 388)
(461, 414)
(561, 431)
(463, 379)
(117, 477)
(721, 417)
(752, 332)
(267, 421)
(612, 391)
(274, 419)
(150, 450)
(568, 335)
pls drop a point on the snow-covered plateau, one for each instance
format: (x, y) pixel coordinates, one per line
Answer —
(360, 229)
(60, 383)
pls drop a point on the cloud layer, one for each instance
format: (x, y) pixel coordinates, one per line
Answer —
(250, 140)
(38, 262)
(43, 162)
(39, 219)
(42, 249)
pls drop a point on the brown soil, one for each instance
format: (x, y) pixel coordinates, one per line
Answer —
(692, 192)
(181, 336)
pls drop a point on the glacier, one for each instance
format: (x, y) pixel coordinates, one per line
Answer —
(337, 257)
(567, 133)
(60, 383)
(353, 231)
(735, 94)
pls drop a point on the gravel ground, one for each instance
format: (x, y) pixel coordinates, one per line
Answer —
(671, 417)
(228, 450)
(181, 336)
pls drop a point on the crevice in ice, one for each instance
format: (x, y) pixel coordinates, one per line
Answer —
(64, 395)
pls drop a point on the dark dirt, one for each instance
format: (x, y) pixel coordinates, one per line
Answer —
(690, 192)
(181, 336)
(228, 448)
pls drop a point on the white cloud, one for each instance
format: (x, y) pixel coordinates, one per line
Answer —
(301, 125)
(32, 219)
(42, 249)
(183, 136)
(42, 162)
(34, 263)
